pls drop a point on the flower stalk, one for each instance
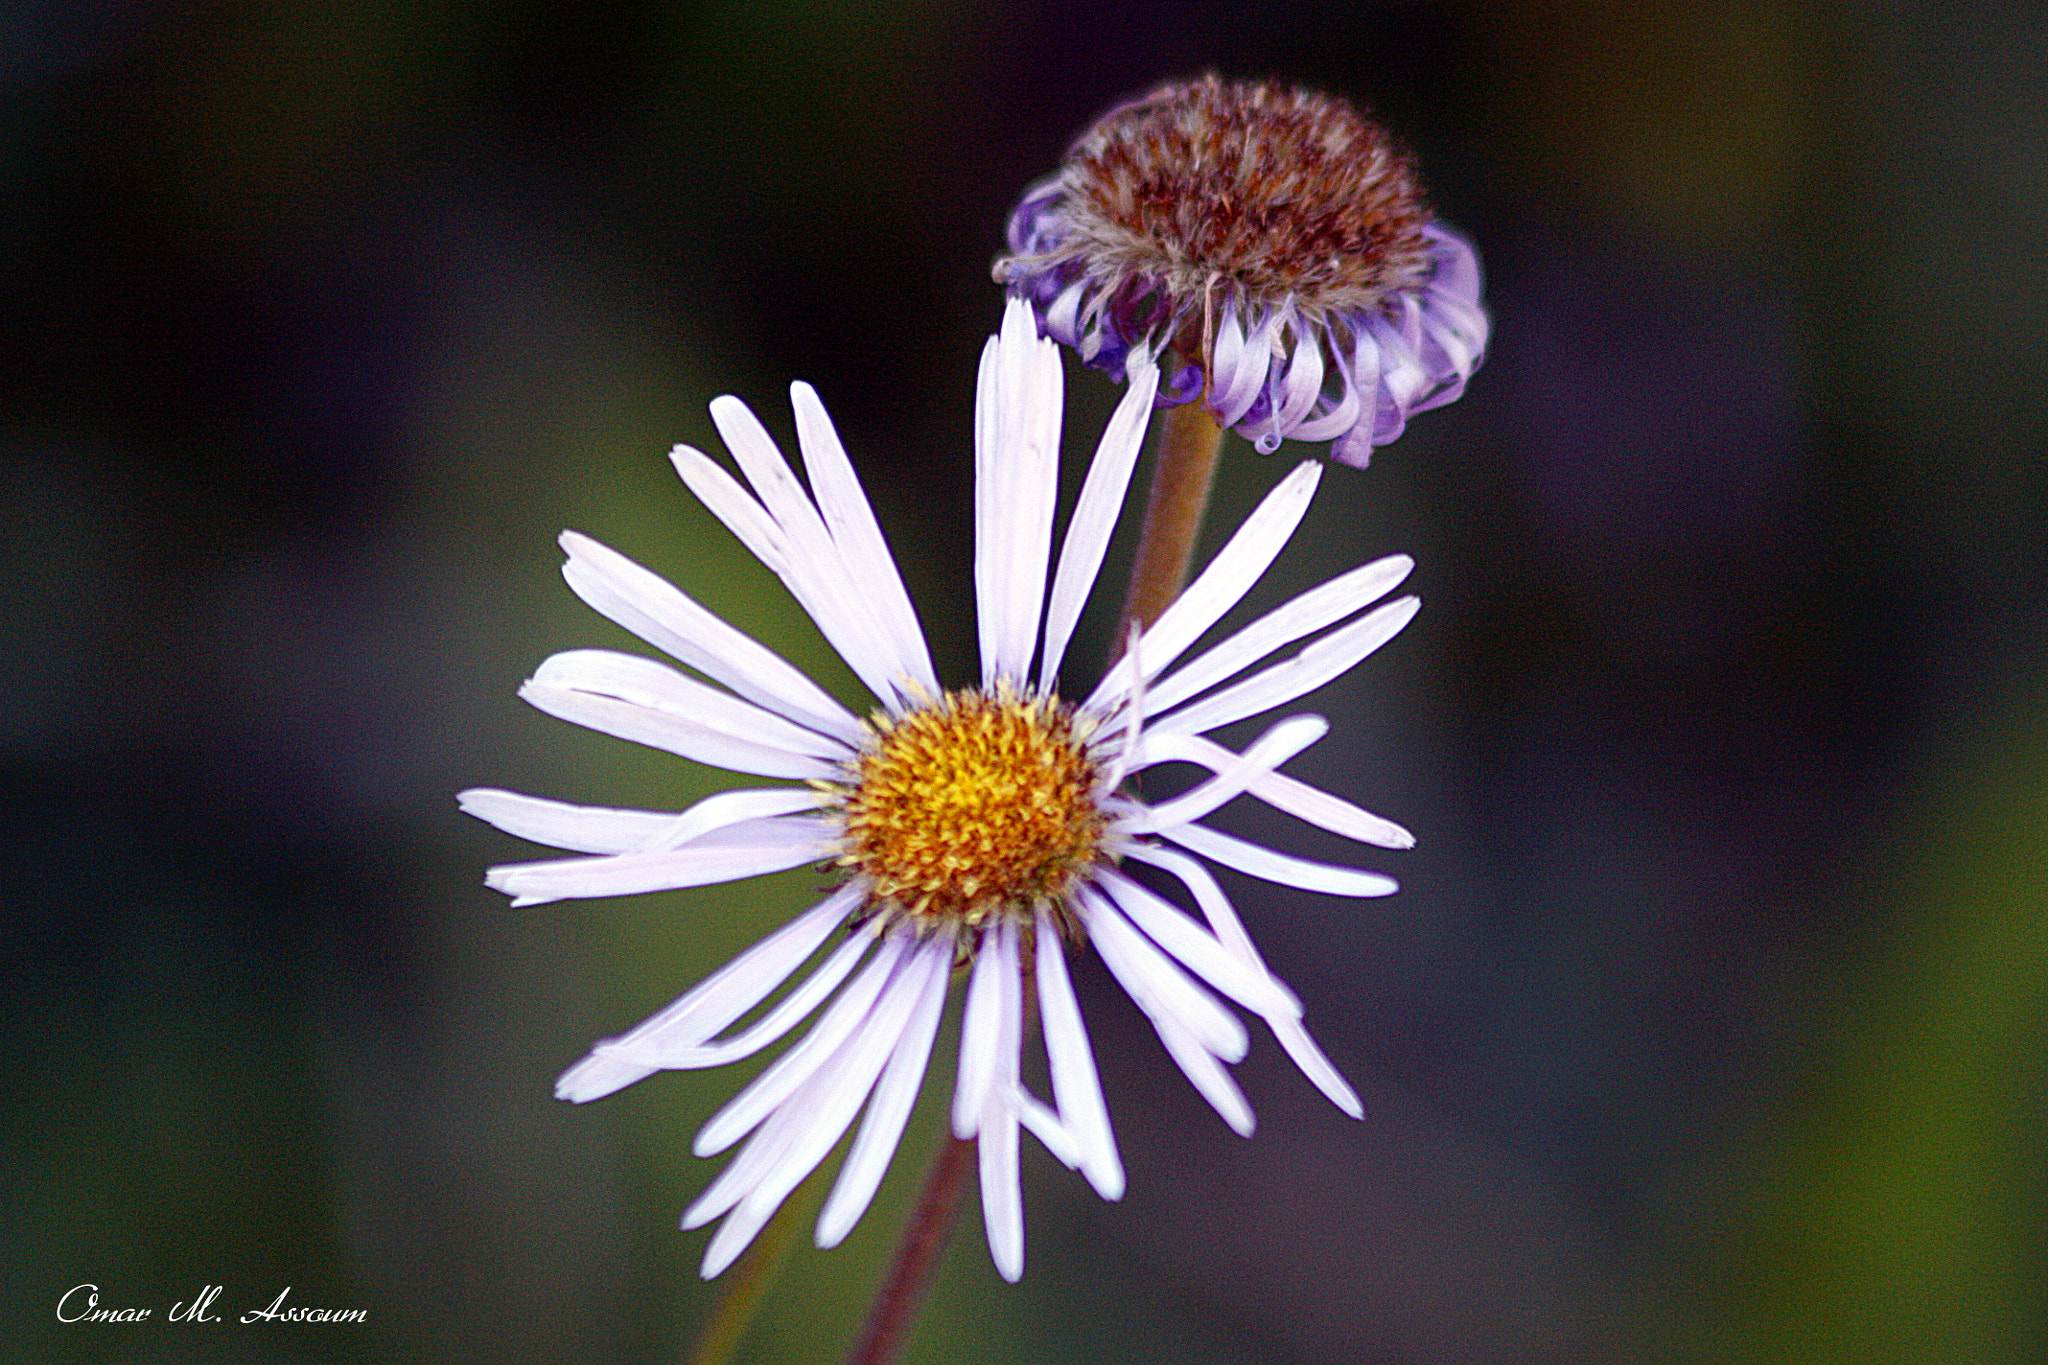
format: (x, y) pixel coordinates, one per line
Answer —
(1182, 475)
(917, 1256)
(1184, 470)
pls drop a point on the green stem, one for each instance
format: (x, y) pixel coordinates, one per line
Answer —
(750, 1282)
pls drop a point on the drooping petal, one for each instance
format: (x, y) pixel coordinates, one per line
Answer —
(1002, 1197)
(792, 1068)
(1234, 388)
(711, 1005)
(1043, 1122)
(1222, 917)
(1075, 1085)
(676, 1052)
(1202, 1068)
(895, 1094)
(828, 1101)
(1155, 982)
(980, 1027)
(1196, 949)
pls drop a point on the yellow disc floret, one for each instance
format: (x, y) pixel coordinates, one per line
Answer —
(971, 804)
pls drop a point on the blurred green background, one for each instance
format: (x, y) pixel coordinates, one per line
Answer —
(1712, 1021)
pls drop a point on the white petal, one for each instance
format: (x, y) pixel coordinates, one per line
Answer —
(1155, 982)
(1095, 515)
(750, 849)
(1314, 1064)
(1315, 665)
(980, 1027)
(696, 1051)
(1280, 791)
(1075, 1085)
(650, 703)
(1121, 754)
(721, 809)
(712, 1004)
(851, 521)
(792, 1068)
(895, 1095)
(732, 504)
(672, 733)
(1208, 1075)
(661, 614)
(581, 829)
(649, 682)
(827, 1102)
(1172, 929)
(813, 573)
(1044, 1124)
(1220, 585)
(1017, 452)
(600, 829)
(1279, 744)
(1304, 615)
(763, 1151)
(835, 596)
(1002, 1198)
(1222, 917)
(1283, 868)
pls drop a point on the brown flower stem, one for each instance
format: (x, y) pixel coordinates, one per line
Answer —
(1182, 472)
(917, 1256)
(750, 1282)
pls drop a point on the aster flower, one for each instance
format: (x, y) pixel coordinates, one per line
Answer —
(985, 826)
(1277, 239)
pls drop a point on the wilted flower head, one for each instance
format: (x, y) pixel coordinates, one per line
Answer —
(1277, 240)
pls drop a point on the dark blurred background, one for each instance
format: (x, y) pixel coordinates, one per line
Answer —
(1712, 1021)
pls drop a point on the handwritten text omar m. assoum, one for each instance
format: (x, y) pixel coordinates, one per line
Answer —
(81, 1303)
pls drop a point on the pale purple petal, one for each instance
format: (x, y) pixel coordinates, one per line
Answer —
(750, 849)
(1075, 1085)
(712, 1004)
(1287, 870)
(895, 1094)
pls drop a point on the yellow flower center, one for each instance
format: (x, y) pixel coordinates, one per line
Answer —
(973, 804)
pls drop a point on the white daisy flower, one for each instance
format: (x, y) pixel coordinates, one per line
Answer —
(984, 826)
